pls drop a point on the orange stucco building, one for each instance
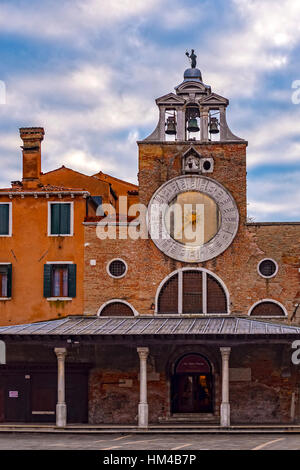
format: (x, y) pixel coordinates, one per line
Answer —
(32, 247)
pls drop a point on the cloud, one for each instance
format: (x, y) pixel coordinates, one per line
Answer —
(274, 138)
(106, 62)
(69, 19)
(275, 198)
(259, 40)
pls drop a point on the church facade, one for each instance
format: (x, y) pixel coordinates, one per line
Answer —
(189, 311)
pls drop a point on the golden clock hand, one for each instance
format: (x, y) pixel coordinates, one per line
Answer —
(188, 222)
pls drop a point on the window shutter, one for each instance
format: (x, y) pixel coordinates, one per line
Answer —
(55, 219)
(4, 219)
(9, 280)
(72, 280)
(65, 212)
(47, 280)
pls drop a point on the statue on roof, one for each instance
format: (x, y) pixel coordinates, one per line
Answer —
(192, 56)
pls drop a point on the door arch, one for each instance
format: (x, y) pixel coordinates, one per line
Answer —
(192, 385)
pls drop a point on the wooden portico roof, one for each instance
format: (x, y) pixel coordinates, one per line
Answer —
(150, 326)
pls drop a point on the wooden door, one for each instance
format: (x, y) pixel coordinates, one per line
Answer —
(77, 396)
(191, 393)
(2, 406)
(43, 397)
(17, 398)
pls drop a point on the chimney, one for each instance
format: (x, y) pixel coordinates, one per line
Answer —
(32, 138)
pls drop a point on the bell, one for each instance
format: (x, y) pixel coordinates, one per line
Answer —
(171, 126)
(214, 126)
(193, 125)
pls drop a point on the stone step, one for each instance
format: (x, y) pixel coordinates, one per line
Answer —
(188, 418)
(159, 429)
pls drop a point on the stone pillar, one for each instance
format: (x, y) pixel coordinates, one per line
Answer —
(223, 123)
(61, 407)
(181, 135)
(204, 123)
(162, 123)
(143, 404)
(225, 405)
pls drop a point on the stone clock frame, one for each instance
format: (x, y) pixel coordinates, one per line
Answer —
(159, 204)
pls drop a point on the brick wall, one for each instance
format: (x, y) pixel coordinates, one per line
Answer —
(237, 266)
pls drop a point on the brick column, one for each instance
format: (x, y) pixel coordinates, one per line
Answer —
(61, 407)
(143, 404)
(225, 405)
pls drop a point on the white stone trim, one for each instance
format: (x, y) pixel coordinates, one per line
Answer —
(60, 262)
(267, 259)
(12, 193)
(109, 263)
(71, 219)
(135, 313)
(9, 219)
(191, 268)
(267, 316)
(54, 299)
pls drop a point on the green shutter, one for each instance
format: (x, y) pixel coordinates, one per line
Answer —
(47, 280)
(55, 219)
(9, 280)
(65, 225)
(4, 219)
(72, 280)
(60, 219)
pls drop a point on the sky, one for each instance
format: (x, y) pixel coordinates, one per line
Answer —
(89, 71)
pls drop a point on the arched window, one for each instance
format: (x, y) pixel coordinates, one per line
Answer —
(192, 291)
(267, 308)
(116, 309)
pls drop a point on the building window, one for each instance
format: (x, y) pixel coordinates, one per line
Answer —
(5, 280)
(192, 292)
(116, 309)
(60, 216)
(267, 268)
(267, 308)
(59, 280)
(5, 219)
(117, 268)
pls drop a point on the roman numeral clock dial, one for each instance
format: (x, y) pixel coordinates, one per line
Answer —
(192, 218)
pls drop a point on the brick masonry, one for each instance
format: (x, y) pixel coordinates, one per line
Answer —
(237, 266)
(267, 396)
(271, 394)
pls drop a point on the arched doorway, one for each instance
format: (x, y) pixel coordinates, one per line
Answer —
(191, 387)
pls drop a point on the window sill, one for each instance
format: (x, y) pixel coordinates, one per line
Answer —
(64, 299)
(3, 299)
(60, 234)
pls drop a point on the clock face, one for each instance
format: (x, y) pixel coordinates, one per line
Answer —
(192, 218)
